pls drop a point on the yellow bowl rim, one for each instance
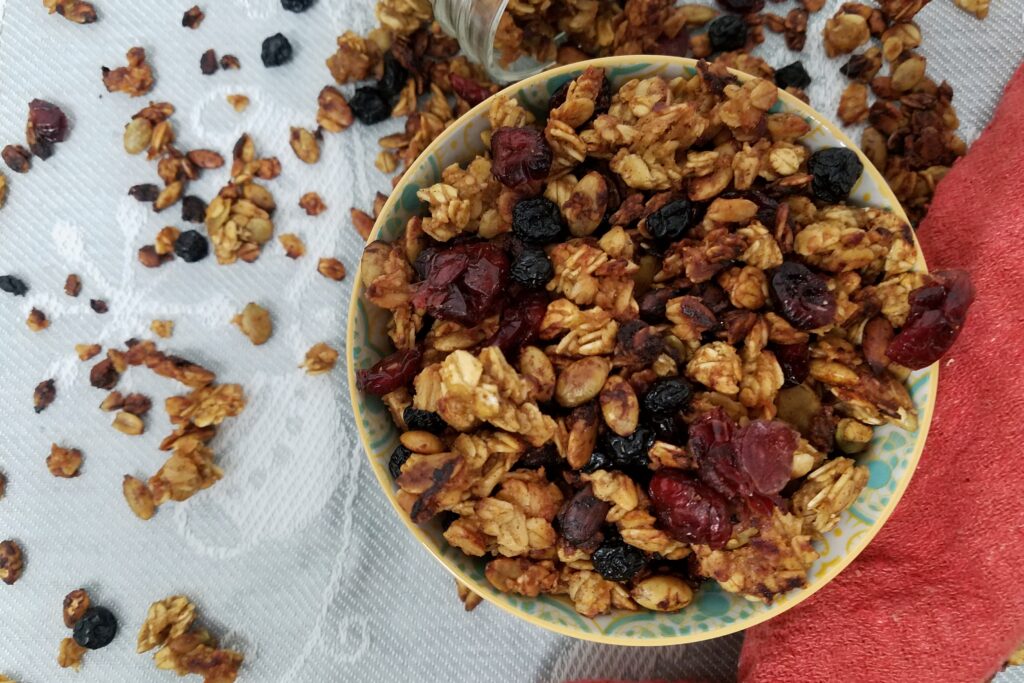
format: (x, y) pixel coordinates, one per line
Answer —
(796, 598)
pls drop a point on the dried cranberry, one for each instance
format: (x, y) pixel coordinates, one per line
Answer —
(671, 221)
(468, 89)
(937, 314)
(689, 511)
(764, 450)
(390, 373)
(713, 428)
(835, 171)
(802, 296)
(519, 155)
(581, 517)
(795, 361)
(47, 121)
(520, 322)
(742, 6)
(463, 283)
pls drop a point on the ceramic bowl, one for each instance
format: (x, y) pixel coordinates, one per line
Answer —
(891, 457)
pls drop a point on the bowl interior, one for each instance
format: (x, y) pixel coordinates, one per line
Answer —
(891, 458)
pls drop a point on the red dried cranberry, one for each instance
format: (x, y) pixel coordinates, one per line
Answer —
(802, 296)
(713, 428)
(795, 361)
(679, 46)
(47, 121)
(520, 322)
(689, 511)
(519, 155)
(390, 373)
(463, 283)
(468, 89)
(937, 314)
(764, 450)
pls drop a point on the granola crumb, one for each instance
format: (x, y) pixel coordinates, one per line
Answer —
(208, 63)
(193, 17)
(238, 102)
(362, 222)
(113, 401)
(320, 359)
(99, 306)
(70, 654)
(129, 424)
(3, 485)
(75, 605)
(87, 351)
(135, 80)
(12, 562)
(139, 497)
(293, 245)
(162, 328)
(305, 145)
(64, 462)
(255, 323)
(184, 647)
(467, 597)
(312, 203)
(228, 62)
(75, 11)
(331, 268)
(73, 285)
(37, 320)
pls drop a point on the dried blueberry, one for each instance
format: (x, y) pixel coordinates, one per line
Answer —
(667, 396)
(96, 628)
(835, 171)
(792, 75)
(599, 460)
(297, 5)
(519, 155)
(13, 285)
(191, 246)
(545, 456)
(802, 296)
(630, 451)
(193, 209)
(425, 420)
(276, 50)
(398, 458)
(146, 192)
(727, 32)
(671, 221)
(370, 105)
(537, 220)
(667, 428)
(393, 78)
(617, 561)
(532, 268)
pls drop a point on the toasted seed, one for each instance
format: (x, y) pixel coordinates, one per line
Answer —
(255, 323)
(662, 593)
(305, 145)
(422, 442)
(113, 401)
(126, 423)
(293, 245)
(238, 102)
(581, 381)
(139, 497)
(362, 222)
(137, 135)
(312, 204)
(619, 406)
(87, 351)
(168, 196)
(205, 158)
(331, 268)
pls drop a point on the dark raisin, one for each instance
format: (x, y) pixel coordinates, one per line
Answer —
(630, 451)
(370, 105)
(193, 17)
(13, 285)
(46, 122)
(532, 268)
(676, 46)
(393, 78)
(795, 361)
(425, 420)
(670, 222)
(742, 6)
(545, 456)
(390, 373)
(398, 458)
(667, 396)
(519, 155)
(474, 93)
(464, 283)
(688, 510)
(99, 306)
(802, 296)
(276, 50)
(792, 76)
(520, 322)
(727, 32)
(937, 314)
(146, 192)
(537, 220)
(581, 517)
(617, 561)
(208, 63)
(835, 171)
(193, 209)
(96, 628)
(297, 5)
(667, 428)
(599, 460)
(191, 246)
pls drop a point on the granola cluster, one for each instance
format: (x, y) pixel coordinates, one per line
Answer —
(650, 358)
(184, 647)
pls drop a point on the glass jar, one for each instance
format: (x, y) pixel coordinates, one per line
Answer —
(474, 23)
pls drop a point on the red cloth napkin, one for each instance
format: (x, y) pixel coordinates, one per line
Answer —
(939, 594)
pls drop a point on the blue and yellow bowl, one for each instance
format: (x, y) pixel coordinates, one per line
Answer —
(891, 458)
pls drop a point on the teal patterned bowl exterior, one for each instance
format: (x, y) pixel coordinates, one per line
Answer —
(891, 458)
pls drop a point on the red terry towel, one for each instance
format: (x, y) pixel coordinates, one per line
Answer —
(938, 596)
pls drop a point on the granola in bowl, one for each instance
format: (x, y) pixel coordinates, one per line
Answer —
(643, 340)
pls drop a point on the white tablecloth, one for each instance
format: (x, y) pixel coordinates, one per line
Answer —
(295, 558)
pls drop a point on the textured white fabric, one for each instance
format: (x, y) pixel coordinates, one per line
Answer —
(295, 558)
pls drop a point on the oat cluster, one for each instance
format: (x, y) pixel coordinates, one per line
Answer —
(184, 647)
